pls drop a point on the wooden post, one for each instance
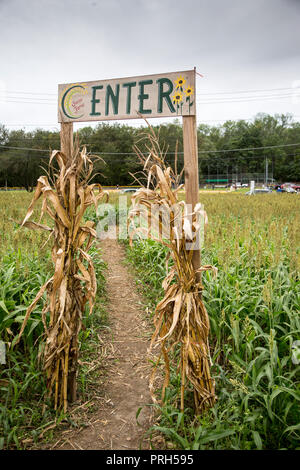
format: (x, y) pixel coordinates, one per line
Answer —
(66, 146)
(191, 176)
(66, 138)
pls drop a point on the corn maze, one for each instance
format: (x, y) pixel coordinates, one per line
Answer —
(223, 317)
(252, 304)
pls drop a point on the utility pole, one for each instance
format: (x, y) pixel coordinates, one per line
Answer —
(266, 171)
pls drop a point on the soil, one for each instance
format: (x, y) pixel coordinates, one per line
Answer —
(126, 388)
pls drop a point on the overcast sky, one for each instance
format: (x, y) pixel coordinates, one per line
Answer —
(237, 45)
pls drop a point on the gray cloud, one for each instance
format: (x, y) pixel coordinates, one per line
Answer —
(234, 43)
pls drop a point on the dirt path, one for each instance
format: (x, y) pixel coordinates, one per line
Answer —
(114, 426)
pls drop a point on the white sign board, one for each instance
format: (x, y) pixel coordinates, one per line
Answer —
(161, 95)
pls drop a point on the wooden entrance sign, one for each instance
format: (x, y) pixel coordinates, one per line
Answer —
(161, 95)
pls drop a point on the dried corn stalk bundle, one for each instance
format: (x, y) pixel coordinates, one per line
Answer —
(180, 317)
(73, 283)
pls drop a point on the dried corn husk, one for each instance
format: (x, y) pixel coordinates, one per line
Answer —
(180, 317)
(73, 283)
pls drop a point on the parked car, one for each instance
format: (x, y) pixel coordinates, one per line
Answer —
(294, 186)
(259, 191)
(129, 190)
(290, 189)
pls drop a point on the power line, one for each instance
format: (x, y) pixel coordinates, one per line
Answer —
(35, 98)
(31, 125)
(233, 159)
(240, 119)
(253, 95)
(213, 161)
(4, 96)
(249, 148)
(28, 92)
(255, 90)
(46, 101)
(94, 122)
(29, 100)
(248, 99)
(24, 148)
(247, 91)
(26, 102)
(168, 153)
(205, 151)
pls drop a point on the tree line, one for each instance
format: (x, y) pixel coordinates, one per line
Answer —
(222, 150)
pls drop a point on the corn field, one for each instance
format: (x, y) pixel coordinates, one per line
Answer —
(253, 307)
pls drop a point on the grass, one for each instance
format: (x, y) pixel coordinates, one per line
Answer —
(254, 308)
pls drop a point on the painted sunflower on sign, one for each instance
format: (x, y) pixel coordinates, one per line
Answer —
(179, 83)
(178, 100)
(189, 91)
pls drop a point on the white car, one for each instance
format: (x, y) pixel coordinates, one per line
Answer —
(129, 190)
(289, 189)
(259, 191)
